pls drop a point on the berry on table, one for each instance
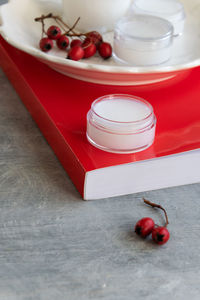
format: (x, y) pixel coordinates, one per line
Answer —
(46, 44)
(160, 235)
(144, 227)
(54, 32)
(63, 42)
(105, 50)
(76, 53)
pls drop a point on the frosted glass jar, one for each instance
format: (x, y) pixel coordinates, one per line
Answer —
(99, 15)
(121, 124)
(171, 10)
(143, 40)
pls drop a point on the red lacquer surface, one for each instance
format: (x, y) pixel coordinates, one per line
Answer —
(59, 105)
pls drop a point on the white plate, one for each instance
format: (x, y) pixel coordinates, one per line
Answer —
(20, 30)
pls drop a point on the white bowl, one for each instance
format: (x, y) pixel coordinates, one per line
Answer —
(18, 28)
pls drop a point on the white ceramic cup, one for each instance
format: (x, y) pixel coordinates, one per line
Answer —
(100, 15)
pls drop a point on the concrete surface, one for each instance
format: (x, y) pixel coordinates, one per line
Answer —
(53, 245)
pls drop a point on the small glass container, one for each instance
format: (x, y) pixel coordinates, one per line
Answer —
(171, 10)
(143, 40)
(121, 123)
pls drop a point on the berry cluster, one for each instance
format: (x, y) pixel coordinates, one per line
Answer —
(77, 45)
(146, 226)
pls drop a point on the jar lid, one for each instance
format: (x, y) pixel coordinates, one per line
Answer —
(122, 114)
(171, 10)
(144, 28)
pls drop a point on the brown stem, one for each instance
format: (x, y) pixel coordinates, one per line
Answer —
(71, 29)
(75, 34)
(68, 27)
(61, 23)
(43, 27)
(43, 17)
(60, 20)
(157, 206)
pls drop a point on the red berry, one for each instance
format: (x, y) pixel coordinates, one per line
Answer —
(75, 42)
(54, 32)
(46, 44)
(62, 42)
(160, 235)
(95, 37)
(89, 48)
(144, 227)
(76, 53)
(105, 50)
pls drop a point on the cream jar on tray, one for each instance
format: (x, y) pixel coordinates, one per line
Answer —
(121, 123)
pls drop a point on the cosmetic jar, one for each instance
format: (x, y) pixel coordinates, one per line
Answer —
(121, 123)
(143, 40)
(171, 10)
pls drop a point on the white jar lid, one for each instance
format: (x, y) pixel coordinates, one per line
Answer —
(171, 10)
(147, 32)
(121, 113)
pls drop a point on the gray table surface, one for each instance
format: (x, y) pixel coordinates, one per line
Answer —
(53, 245)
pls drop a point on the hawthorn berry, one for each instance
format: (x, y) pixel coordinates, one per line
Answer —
(89, 48)
(63, 42)
(144, 227)
(54, 32)
(75, 42)
(76, 53)
(160, 235)
(95, 37)
(105, 50)
(46, 44)
(83, 49)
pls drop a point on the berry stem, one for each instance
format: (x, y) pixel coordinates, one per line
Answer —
(43, 28)
(60, 24)
(67, 26)
(157, 206)
(70, 30)
(42, 17)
